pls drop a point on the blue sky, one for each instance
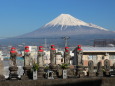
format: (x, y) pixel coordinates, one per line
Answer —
(22, 16)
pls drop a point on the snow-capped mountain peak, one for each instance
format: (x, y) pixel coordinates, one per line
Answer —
(66, 20)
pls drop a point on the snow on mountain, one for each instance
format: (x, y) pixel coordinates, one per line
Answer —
(68, 20)
(95, 26)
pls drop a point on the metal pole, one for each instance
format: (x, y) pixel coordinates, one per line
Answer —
(66, 40)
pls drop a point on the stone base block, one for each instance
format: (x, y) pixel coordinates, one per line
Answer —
(91, 74)
(100, 74)
(107, 73)
(40, 75)
(80, 74)
(13, 76)
(2, 77)
(13, 72)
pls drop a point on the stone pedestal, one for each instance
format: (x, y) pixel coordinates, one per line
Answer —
(2, 77)
(27, 73)
(106, 73)
(79, 71)
(13, 72)
(41, 72)
(91, 74)
(71, 73)
(100, 74)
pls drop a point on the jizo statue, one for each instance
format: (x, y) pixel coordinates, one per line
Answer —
(67, 55)
(79, 55)
(107, 64)
(13, 55)
(53, 55)
(90, 66)
(40, 58)
(27, 56)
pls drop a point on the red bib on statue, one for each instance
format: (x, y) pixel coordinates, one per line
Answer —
(26, 50)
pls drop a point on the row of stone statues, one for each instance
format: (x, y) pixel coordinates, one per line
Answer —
(55, 69)
(40, 56)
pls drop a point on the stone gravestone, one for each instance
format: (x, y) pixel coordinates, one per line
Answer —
(64, 74)
(35, 75)
(99, 69)
(91, 72)
(49, 74)
(107, 67)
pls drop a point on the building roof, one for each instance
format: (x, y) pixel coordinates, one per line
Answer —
(98, 49)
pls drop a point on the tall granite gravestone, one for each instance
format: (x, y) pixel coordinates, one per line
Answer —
(91, 72)
(79, 62)
(53, 65)
(67, 55)
(40, 61)
(13, 68)
(27, 63)
(107, 67)
(99, 69)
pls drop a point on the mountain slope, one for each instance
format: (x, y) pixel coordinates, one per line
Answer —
(66, 25)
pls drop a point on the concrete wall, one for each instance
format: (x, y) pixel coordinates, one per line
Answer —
(62, 82)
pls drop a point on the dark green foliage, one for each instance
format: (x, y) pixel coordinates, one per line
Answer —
(35, 67)
(64, 66)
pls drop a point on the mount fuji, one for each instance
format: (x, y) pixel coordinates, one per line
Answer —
(64, 25)
(67, 25)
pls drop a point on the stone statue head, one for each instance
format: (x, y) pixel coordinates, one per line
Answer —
(26, 47)
(66, 49)
(79, 47)
(52, 46)
(13, 48)
(41, 49)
